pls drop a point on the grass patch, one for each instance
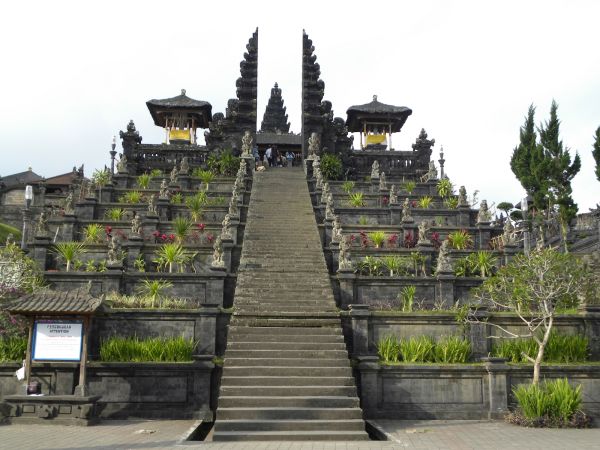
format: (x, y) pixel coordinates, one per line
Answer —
(423, 349)
(561, 349)
(5, 230)
(117, 301)
(13, 348)
(133, 349)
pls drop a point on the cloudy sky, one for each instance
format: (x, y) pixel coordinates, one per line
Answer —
(74, 73)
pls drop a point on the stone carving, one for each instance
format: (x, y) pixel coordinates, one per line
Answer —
(344, 261)
(314, 142)
(114, 251)
(122, 165)
(508, 234)
(432, 173)
(217, 259)
(10, 240)
(382, 182)
(319, 177)
(90, 192)
(152, 205)
(233, 205)
(41, 229)
(173, 174)
(484, 215)
(462, 197)
(68, 205)
(329, 212)
(325, 193)
(226, 225)
(375, 170)
(247, 143)
(184, 168)
(444, 265)
(406, 216)
(336, 231)
(393, 195)
(423, 230)
(164, 190)
(136, 225)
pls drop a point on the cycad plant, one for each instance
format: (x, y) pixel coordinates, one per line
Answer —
(196, 203)
(482, 262)
(169, 254)
(181, 228)
(69, 251)
(460, 239)
(425, 202)
(347, 186)
(356, 199)
(93, 233)
(177, 198)
(206, 176)
(377, 237)
(451, 202)
(409, 186)
(114, 213)
(131, 197)
(395, 264)
(143, 180)
(101, 178)
(445, 188)
(154, 289)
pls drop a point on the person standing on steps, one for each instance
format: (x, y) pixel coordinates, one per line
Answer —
(269, 156)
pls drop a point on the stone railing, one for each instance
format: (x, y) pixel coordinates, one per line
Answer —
(164, 157)
(394, 163)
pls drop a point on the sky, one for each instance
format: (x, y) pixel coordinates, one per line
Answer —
(74, 73)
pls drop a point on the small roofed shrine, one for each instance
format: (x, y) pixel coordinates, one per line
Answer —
(180, 116)
(376, 121)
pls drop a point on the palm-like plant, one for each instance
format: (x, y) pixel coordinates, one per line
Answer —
(395, 264)
(425, 202)
(445, 188)
(169, 254)
(69, 251)
(355, 199)
(131, 197)
(409, 186)
(114, 213)
(101, 178)
(347, 186)
(181, 228)
(407, 295)
(143, 181)
(93, 233)
(153, 289)
(156, 173)
(377, 237)
(206, 176)
(482, 262)
(177, 198)
(460, 239)
(196, 203)
(418, 261)
(451, 202)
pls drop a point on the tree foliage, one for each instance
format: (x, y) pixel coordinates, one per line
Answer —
(596, 153)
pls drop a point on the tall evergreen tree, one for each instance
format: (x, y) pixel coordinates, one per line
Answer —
(526, 162)
(557, 166)
(596, 153)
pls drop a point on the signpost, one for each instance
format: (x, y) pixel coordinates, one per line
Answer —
(57, 340)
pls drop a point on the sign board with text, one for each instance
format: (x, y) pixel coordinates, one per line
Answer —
(57, 340)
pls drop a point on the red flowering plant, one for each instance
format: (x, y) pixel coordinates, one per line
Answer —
(392, 241)
(352, 239)
(413, 204)
(210, 238)
(385, 200)
(121, 235)
(201, 227)
(410, 240)
(435, 240)
(364, 239)
(156, 236)
(108, 231)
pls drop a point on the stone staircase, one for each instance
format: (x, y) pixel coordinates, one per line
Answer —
(286, 374)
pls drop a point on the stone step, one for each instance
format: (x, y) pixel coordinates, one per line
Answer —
(260, 309)
(290, 425)
(287, 391)
(282, 346)
(286, 362)
(226, 401)
(284, 338)
(287, 353)
(283, 371)
(302, 331)
(265, 314)
(287, 381)
(260, 436)
(257, 321)
(288, 413)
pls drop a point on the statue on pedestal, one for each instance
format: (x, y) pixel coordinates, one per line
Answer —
(164, 190)
(225, 230)
(344, 261)
(136, 225)
(217, 259)
(336, 231)
(173, 174)
(375, 170)
(42, 225)
(122, 165)
(393, 195)
(432, 173)
(184, 168)
(462, 197)
(423, 230)
(382, 181)
(406, 216)
(247, 143)
(114, 248)
(314, 142)
(152, 205)
(484, 215)
(444, 265)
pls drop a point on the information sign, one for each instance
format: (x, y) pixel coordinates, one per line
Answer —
(57, 340)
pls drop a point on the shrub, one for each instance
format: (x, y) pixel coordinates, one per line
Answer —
(452, 350)
(348, 186)
(377, 237)
(228, 164)
(388, 349)
(482, 263)
(356, 199)
(451, 202)
(559, 349)
(133, 349)
(362, 220)
(68, 251)
(417, 349)
(139, 301)
(397, 265)
(93, 233)
(140, 263)
(5, 230)
(181, 228)
(156, 173)
(409, 186)
(407, 296)
(13, 348)
(370, 266)
(425, 202)
(552, 399)
(331, 166)
(131, 197)
(143, 181)
(177, 198)
(206, 176)
(445, 188)
(153, 289)
(196, 203)
(169, 254)
(460, 239)
(115, 214)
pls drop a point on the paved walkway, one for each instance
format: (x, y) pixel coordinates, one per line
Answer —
(162, 434)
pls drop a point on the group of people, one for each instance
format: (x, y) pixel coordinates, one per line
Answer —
(273, 157)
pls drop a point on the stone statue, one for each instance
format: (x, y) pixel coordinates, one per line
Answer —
(173, 174)
(329, 212)
(122, 165)
(233, 206)
(247, 144)
(217, 259)
(90, 192)
(382, 182)
(325, 193)
(226, 225)
(184, 168)
(164, 190)
(114, 248)
(10, 240)
(344, 261)
(484, 215)
(393, 195)
(423, 230)
(508, 234)
(68, 204)
(406, 216)
(444, 265)
(319, 177)
(432, 173)
(375, 170)
(462, 197)
(152, 205)
(314, 142)
(42, 225)
(336, 231)
(136, 225)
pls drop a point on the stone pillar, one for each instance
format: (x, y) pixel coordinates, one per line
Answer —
(346, 279)
(445, 294)
(427, 250)
(484, 235)
(498, 387)
(395, 214)
(120, 180)
(249, 160)
(464, 216)
(133, 248)
(408, 227)
(106, 193)
(591, 322)
(479, 333)
(205, 329)
(68, 227)
(327, 230)
(369, 388)
(383, 193)
(184, 181)
(40, 251)
(359, 315)
(235, 222)
(334, 253)
(510, 251)
(227, 249)
(163, 207)
(27, 232)
(149, 225)
(308, 168)
(86, 210)
(432, 187)
(215, 286)
(374, 185)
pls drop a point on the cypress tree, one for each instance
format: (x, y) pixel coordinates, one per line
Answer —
(596, 153)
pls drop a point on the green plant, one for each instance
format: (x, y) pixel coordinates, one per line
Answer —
(561, 349)
(460, 239)
(101, 178)
(77, 265)
(452, 350)
(131, 197)
(177, 198)
(181, 228)
(388, 349)
(101, 267)
(462, 267)
(482, 263)
(12, 348)
(196, 203)
(5, 230)
(136, 301)
(425, 202)
(68, 251)
(362, 220)
(156, 173)
(115, 214)
(355, 199)
(348, 186)
(228, 164)
(377, 237)
(140, 263)
(370, 266)
(417, 349)
(134, 349)
(153, 289)
(445, 188)
(93, 233)
(397, 265)
(407, 296)
(90, 266)
(409, 186)
(206, 176)
(451, 202)
(143, 181)
(551, 399)
(418, 263)
(169, 254)
(331, 166)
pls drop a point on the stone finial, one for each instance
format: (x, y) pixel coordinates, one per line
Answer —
(184, 167)
(152, 205)
(344, 261)
(217, 259)
(484, 215)
(336, 231)
(114, 247)
(444, 265)
(247, 143)
(42, 225)
(164, 190)
(122, 165)
(375, 170)
(423, 230)
(393, 195)
(406, 216)
(462, 197)
(314, 143)
(136, 225)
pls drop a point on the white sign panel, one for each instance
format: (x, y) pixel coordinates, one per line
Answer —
(57, 340)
